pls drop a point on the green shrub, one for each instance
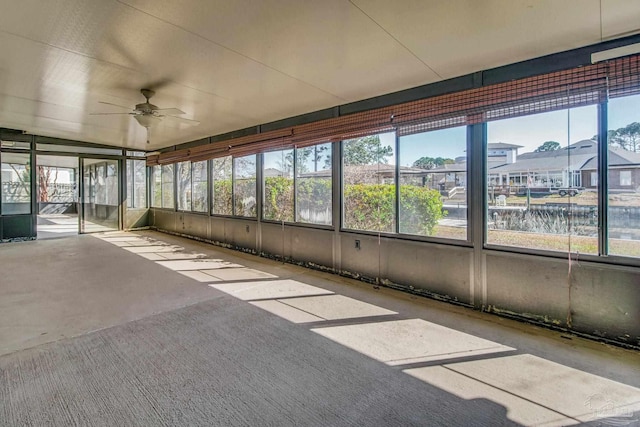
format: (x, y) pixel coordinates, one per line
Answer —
(222, 204)
(278, 198)
(371, 207)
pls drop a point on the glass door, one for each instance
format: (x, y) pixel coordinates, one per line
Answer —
(100, 194)
(57, 185)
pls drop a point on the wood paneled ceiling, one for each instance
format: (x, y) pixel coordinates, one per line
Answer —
(235, 64)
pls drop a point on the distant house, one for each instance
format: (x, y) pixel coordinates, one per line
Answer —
(624, 171)
(573, 166)
(501, 153)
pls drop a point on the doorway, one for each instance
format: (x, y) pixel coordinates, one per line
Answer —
(57, 201)
(100, 195)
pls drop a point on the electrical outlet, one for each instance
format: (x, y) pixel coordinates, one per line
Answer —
(358, 244)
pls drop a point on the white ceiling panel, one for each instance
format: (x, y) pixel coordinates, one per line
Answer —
(235, 64)
(620, 18)
(330, 44)
(459, 37)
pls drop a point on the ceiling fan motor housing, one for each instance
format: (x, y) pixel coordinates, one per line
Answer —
(146, 108)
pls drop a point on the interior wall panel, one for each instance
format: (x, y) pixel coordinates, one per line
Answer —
(530, 286)
(434, 268)
(312, 245)
(242, 233)
(134, 218)
(164, 220)
(596, 299)
(604, 302)
(193, 225)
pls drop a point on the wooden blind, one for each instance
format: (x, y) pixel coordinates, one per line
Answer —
(553, 91)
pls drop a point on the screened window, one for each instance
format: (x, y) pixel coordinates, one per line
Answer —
(221, 172)
(184, 186)
(369, 190)
(15, 180)
(136, 184)
(624, 176)
(168, 200)
(433, 183)
(156, 186)
(244, 186)
(314, 184)
(538, 180)
(199, 199)
(277, 174)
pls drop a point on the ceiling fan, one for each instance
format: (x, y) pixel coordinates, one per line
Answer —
(149, 115)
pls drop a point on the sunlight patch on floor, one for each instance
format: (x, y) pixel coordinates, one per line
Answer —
(401, 342)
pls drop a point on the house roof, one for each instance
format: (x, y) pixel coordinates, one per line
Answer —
(618, 157)
(450, 167)
(574, 157)
(499, 145)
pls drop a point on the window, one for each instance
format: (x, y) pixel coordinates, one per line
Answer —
(168, 201)
(433, 183)
(192, 186)
(277, 174)
(244, 186)
(15, 179)
(199, 199)
(222, 188)
(136, 184)
(314, 184)
(539, 198)
(156, 186)
(184, 186)
(594, 179)
(624, 176)
(369, 190)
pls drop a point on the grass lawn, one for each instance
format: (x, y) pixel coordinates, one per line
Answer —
(550, 242)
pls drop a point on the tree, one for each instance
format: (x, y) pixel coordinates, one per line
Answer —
(431, 163)
(366, 151)
(548, 146)
(627, 138)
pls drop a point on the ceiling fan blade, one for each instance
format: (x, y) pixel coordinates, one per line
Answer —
(115, 105)
(171, 111)
(109, 114)
(183, 120)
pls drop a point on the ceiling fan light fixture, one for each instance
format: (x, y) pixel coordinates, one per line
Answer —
(147, 121)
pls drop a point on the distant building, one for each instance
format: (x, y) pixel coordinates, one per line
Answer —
(573, 166)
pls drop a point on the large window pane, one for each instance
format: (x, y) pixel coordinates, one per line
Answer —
(541, 193)
(244, 186)
(156, 186)
(278, 185)
(184, 186)
(136, 184)
(222, 185)
(167, 187)
(624, 176)
(369, 190)
(433, 183)
(111, 183)
(199, 198)
(16, 183)
(314, 184)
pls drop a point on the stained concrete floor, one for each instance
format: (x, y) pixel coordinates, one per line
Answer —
(150, 329)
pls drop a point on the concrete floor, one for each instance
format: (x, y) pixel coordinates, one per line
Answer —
(150, 329)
